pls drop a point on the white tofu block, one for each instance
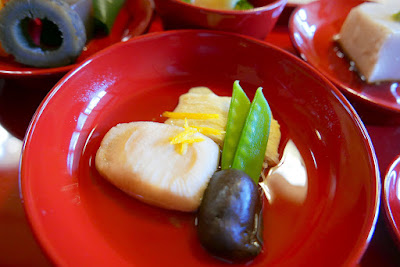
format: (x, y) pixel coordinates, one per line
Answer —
(371, 38)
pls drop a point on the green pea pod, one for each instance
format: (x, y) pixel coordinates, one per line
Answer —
(243, 5)
(396, 16)
(250, 151)
(105, 12)
(238, 110)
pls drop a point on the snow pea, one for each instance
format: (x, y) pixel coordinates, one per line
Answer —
(250, 152)
(396, 16)
(243, 5)
(238, 110)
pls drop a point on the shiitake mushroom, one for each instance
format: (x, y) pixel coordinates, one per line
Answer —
(229, 220)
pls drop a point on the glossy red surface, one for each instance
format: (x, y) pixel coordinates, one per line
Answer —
(391, 197)
(133, 20)
(257, 22)
(18, 103)
(68, 203)
(312, 28)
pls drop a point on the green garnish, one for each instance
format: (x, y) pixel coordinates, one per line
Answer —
(243, 5)
(396, 16)
(253, 141)
(239, 108)
(247, 133)
(105, 13)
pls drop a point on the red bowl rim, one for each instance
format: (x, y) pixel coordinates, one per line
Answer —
(273, 5)
(395, 230)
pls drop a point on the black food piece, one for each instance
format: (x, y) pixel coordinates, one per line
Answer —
(63, 34)
(229, 220)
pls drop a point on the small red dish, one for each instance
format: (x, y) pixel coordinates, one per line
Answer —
(82, 220)
(257, 22)
(133, 20)
(312, 29)
(391, 197)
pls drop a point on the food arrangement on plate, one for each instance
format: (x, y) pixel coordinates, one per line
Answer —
(50, 37)
(43, 33)
(370, 37)
(191, 171)
(140, 127)
(342, 48)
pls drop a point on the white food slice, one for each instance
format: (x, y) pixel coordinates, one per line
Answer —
(138, 158)
(371, 38)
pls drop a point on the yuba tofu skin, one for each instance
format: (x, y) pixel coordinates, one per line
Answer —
(370, 37)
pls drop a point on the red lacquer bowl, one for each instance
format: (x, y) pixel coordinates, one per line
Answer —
(257, 22)
(391, 198)
(81, 219)
(312, 30)
(133, 20)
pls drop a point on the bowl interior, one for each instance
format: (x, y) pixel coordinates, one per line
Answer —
(255, 3)
(257, 22)
(68, 203)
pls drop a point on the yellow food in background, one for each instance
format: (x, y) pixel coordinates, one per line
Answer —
(216, 4)
(2, 2)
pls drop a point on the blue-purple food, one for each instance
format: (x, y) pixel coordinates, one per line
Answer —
(53, 33)
(66, 32)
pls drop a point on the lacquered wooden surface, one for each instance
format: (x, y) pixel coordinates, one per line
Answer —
(17, 104)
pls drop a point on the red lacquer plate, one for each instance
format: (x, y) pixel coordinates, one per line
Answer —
(80, 219)
(132, 20)
(312, 28)
(391, 197)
